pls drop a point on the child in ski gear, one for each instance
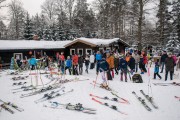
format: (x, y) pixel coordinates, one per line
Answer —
(123, 68)
(87, 63)
(156, 69)
(163, 58)
(169, 65)
(131, 63)
(68, 65)
(80, 62)
(75, 64)
(32, 62)
(103, 67)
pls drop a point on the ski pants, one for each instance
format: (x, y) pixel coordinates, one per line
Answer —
(68, 69)
(171, 75)
(125, 74)
(157, 75)
(103, 75)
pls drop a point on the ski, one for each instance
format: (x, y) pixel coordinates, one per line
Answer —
(167, 84)
(7, 108)
(142, 101)
(150, 99)
(42, 90)
(106, 98)
(77, 107)
(120, 97)
(107, 88)
(177, 97)
(19, 83)
(19, 78)
(13, 106)
(25, 89)
(106, 104)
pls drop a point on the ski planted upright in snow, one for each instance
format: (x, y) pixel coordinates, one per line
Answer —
(142, 101)
(150, 99)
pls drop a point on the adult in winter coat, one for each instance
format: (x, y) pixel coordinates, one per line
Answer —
(145, 61)
(87, 63)
(163, 58)
(98, 56)
(103, 67)
(136, 56)
(32, 62)
(169, 66)
(68, 65)
(91, 61)
(141, 64)
(75, 64)
(116, 63)
(110, 60)
(156, 69)
(62, 62)
(80, 63)
(131, 63)
(123, 68)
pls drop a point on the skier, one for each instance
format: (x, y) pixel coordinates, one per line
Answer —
(156, 69)
(87, 63)
(169, 64)
(123, 67)
(75, 64)
(110, 60)
(32, 62)
(80, 63)
(163, 58)
(68, 65)
(137, 59)
(103, 67)
(91, 61)
(131, 63)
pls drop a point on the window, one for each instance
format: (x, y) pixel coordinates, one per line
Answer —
(72, 51)
(89, 51)
(80, 51)
(18, 56)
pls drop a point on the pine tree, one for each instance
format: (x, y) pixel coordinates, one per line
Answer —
(28, 33)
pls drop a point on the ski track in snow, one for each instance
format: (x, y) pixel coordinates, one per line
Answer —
(169, 107)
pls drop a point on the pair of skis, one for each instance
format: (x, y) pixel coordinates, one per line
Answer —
(167, 84)
(20, 78)
(77, 107)
(150, 99)
(6, 104)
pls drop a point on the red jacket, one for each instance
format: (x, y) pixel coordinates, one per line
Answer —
(145, 61)
(75, 60)
(61, 57)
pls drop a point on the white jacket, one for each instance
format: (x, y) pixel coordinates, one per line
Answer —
(92, 59)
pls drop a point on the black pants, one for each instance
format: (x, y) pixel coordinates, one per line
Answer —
(91, 65)
(116, 70)
(144, 68)
(80, 70)
(75, 70)
(68, 69)
(171, 75)
(32, 67)
(157, 75)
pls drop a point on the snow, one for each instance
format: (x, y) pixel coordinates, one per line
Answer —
(169, 107)
(31, 44)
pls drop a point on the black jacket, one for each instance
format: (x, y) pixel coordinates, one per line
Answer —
(163, 57)
(131, 63)
(169, 63)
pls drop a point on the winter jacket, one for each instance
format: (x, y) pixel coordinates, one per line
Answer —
(87, 61)
(127, 58)
(123, 64)
(136, 57)
(174, 58)
(91, 59)
(110, 61)
(102, 65)
(69, 63)
(33, 61)
(145, 60)
(98, 57)
(163, 57)
(169, 64)
(116, 62)
(141, 63)
(131, 63)
(80, 61)
(75, 60)
(156, 68)
(61, 57)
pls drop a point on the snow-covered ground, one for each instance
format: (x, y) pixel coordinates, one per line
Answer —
(169, 107)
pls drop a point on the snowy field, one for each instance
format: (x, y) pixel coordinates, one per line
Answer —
(169, 107)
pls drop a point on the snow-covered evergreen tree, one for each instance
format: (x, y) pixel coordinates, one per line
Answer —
(28, 32)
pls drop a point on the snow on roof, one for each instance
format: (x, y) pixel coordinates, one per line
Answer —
(31, 44)
(95, 41)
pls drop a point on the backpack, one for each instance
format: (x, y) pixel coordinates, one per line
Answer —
(136, 78)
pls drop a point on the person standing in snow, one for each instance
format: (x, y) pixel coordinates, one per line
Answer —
(62, 62)
(75, 64)
(68, 65)
(80, 63)
(156, 69)
(163, 58)
(123, 67)
(141, 64)
(32, 62)
(87, 63)
(12, 63)
(91, 61)
(110, 61)
(103, 67)
(169, 66)
(137, 59)
(131, 63)
(116, 63)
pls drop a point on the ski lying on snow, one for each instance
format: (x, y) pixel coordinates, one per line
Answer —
(150, 99)
(142, 101)
(120, 97)
(106, 98)
(177, 97)
(167, 84)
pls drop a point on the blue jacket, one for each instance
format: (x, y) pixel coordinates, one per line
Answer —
(68, 63)
(33, 61)
(102, 66)
(156, 69)
(123, 64)
(98, 57)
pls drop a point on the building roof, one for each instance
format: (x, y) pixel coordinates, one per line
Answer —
(96, 42)
(31, 44)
